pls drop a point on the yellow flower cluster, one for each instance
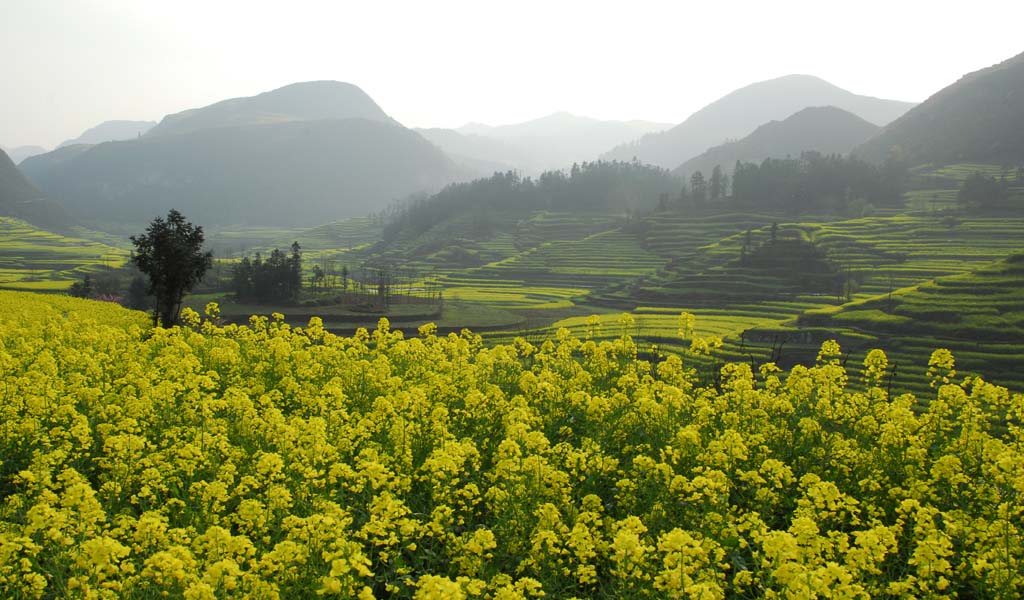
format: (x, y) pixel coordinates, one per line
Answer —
(266, 461)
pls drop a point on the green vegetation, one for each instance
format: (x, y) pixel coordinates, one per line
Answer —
(978, 315)
(977, 118)
(38, 260)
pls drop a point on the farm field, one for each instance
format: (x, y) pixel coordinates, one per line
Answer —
(279, 461)
(978, 315)
(34, 259)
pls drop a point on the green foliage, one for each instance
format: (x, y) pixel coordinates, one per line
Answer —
(815, 184)
(979, 191)
(170, 253)
(975, 119)
(277, 278)
(613, 187)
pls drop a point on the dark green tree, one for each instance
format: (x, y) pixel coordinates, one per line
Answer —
(135, 297)
(979, 191)
(170, 253)
(83, 288)
(716, 183)
(698, 187)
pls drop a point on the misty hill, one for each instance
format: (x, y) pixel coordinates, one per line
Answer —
(502, 199)
(977, 119)
(479, 153)
(111, 131)
(560, 139)
(825, 129)
(308, 101)
(738, 113)
(19, 198)
(22, 152)
(287, 173)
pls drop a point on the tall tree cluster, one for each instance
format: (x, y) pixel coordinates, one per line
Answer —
(815, 183)
(980, 191)
(599, 186)
(276, 278)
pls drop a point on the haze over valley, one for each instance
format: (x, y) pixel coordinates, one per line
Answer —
(550, 300)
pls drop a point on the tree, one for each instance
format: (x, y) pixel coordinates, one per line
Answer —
(82, 289)
(979, 191)
(699, 187)
(136, 297)
(170, 253)
(716, 183)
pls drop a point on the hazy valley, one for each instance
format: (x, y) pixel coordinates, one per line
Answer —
(284, 345)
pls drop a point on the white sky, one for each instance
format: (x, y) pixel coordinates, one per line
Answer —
(68, 65)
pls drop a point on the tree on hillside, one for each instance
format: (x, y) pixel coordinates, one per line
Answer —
(979, 191)
(170, 253)
(276, 278)
(698, 187)
(716, 183)
(83, 288)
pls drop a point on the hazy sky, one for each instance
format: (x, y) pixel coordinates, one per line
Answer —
(69, 64)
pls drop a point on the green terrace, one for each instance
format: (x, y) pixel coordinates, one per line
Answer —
(37, 260)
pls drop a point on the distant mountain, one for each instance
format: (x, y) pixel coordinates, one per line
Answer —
(308, 101)
(22, 152)
(287, 173)
(980, 118)
(738, 113)
(560, 139)
(825, 129)
(472, 128)
(480, 153)
(111, 131)
(19, 198)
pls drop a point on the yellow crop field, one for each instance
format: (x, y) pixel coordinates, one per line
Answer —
(267, 461)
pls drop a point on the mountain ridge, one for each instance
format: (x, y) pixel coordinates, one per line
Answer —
(295, 173)
(739, 112)
(111, 131)
(302, 101)
(975, 119)
(824, 129)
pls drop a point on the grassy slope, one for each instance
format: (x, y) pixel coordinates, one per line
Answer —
(34, 259)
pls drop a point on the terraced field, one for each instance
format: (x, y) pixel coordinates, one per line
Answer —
(552, 273)
(935, 189)
(979, 316)
(37, 260)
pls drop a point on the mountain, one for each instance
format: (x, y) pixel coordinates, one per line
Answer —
(738, 113)
(825, 129)
(558, 140)
(111, 131)
(22, 152)
(977, 119)
(307, 101)
(286, 173)
(473, 128)
(19, 198)
(477, 152)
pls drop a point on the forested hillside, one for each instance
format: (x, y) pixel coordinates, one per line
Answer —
(976, 119)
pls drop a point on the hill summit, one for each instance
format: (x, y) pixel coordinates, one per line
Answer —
(824, 129)
(738, 113)
(977, 119)
(306, 101)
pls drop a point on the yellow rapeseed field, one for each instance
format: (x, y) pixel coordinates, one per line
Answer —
(266, 461)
